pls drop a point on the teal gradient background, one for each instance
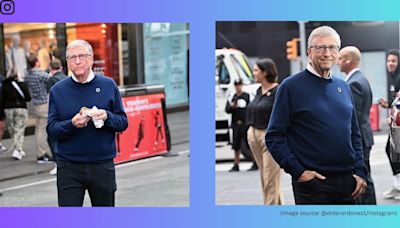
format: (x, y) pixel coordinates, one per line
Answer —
(202, 16)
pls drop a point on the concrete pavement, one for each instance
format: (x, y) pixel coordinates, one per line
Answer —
(243, 188)
(10, 168)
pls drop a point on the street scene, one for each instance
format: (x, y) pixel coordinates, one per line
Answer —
(94, 114)
(316, 99)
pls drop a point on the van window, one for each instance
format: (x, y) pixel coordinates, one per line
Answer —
(242, 68)
(222, 72)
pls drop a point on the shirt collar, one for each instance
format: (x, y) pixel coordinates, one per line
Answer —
(312, 70)
(89, 79)
(348, 76)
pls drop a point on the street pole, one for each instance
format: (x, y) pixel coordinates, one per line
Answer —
(302, 33)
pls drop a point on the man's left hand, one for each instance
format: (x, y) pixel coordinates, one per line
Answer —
(361, 185)
(101, 114)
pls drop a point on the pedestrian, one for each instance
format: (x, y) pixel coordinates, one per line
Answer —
(85, 136)
(258, 115)
(56, 73)
(14, 95)
(393, 86)
(37, 80)
(313, 132)
(349, 61)
(236, 105)
(3, 149)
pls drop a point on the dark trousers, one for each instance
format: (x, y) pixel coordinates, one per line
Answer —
(368, 197)
(336, 189)
(394, 165)
(239, 133)
(73, 179)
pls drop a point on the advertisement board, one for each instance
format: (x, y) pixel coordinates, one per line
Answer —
(146, 135)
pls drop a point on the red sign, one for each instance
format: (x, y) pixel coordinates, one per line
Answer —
(145, 135)
(374, 117)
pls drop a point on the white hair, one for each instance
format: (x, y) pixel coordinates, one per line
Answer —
(323, 31)
(79, 43)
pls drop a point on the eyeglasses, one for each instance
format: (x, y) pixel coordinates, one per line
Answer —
(80, 57)
(322, 48)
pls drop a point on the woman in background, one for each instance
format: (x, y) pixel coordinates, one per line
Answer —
(258, 114)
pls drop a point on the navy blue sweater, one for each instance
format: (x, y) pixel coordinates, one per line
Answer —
(88, 144)
(313, 126)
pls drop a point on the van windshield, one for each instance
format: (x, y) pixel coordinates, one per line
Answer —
(242, 68)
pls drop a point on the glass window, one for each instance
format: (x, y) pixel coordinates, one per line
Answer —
(166, 58)
(125, 55)
(23, 39)
(222, 72)
(242, 68)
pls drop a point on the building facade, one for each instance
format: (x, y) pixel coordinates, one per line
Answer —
(129, 53)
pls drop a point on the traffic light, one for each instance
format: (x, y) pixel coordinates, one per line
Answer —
(292, 49)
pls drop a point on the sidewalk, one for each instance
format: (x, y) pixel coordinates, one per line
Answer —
(10, 168)
(243, 188)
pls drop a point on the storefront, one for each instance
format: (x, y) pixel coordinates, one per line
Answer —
(145, 53)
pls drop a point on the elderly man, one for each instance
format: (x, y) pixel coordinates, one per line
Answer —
(349, 60)
(313, 132)
(85, 134)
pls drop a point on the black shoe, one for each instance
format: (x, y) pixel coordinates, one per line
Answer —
(43, 160)
(49, 158)
(254, 167)
(235, 168)
(1, 194)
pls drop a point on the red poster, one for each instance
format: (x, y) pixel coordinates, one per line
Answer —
(374, 117)
(145, 135)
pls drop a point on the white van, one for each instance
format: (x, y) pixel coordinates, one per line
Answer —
(230, 64)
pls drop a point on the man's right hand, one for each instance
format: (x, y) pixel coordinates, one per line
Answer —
(79, 121)
(308, 175)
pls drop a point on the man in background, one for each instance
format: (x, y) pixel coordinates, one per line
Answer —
(36, 80)
(349, 61)
(56, 73)
(236, 105)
